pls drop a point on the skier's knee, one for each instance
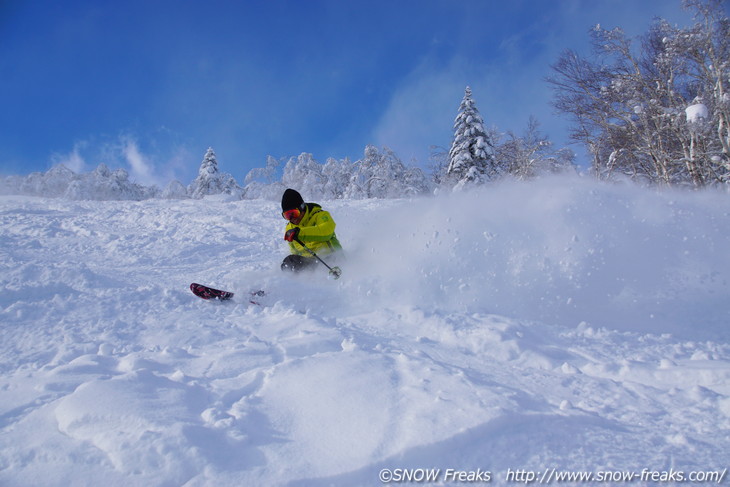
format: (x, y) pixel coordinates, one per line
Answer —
(296, 263)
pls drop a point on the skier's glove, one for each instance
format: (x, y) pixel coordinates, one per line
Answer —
(292, 235)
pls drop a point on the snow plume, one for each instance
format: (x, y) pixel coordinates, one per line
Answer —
(125, 150)
(73, 160)
(142, 169)
(561, 250)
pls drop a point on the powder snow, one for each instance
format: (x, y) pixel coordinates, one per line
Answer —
(560, 325)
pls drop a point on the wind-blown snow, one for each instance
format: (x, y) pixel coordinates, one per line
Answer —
(562, 323)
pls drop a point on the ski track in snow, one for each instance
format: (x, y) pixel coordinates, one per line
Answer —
(558, 324)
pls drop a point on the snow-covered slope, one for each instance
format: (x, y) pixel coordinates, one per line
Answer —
(562, 324)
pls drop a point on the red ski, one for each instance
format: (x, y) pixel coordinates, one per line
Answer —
(206, 292)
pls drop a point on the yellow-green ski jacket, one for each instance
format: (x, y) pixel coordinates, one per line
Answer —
(316, 231)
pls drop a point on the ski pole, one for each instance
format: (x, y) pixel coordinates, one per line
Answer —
(335, 272)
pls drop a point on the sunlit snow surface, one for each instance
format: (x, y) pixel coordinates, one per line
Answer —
(560, 324)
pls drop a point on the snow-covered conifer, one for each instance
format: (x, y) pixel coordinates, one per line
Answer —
(471, 158)
(211, 181)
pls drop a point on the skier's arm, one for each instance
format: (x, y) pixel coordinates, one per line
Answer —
(322, 230)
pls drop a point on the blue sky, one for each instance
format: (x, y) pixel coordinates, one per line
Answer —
(149, 85)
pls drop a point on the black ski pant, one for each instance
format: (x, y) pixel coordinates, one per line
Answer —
(296, 263)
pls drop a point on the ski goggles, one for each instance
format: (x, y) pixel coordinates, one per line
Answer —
(292, 214)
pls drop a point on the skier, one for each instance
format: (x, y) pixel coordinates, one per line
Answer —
(310, 225)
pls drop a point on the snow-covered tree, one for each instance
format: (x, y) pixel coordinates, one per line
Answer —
(262, 182)
(337, 174)
(266, 175)
(471, 157)
(52, 183)
(438, 163)
(211, 181)
(659, 111)
(105, 184)
(379, 174)
(61, 182)
(305, 173)
(532, 154)
(175, 190)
